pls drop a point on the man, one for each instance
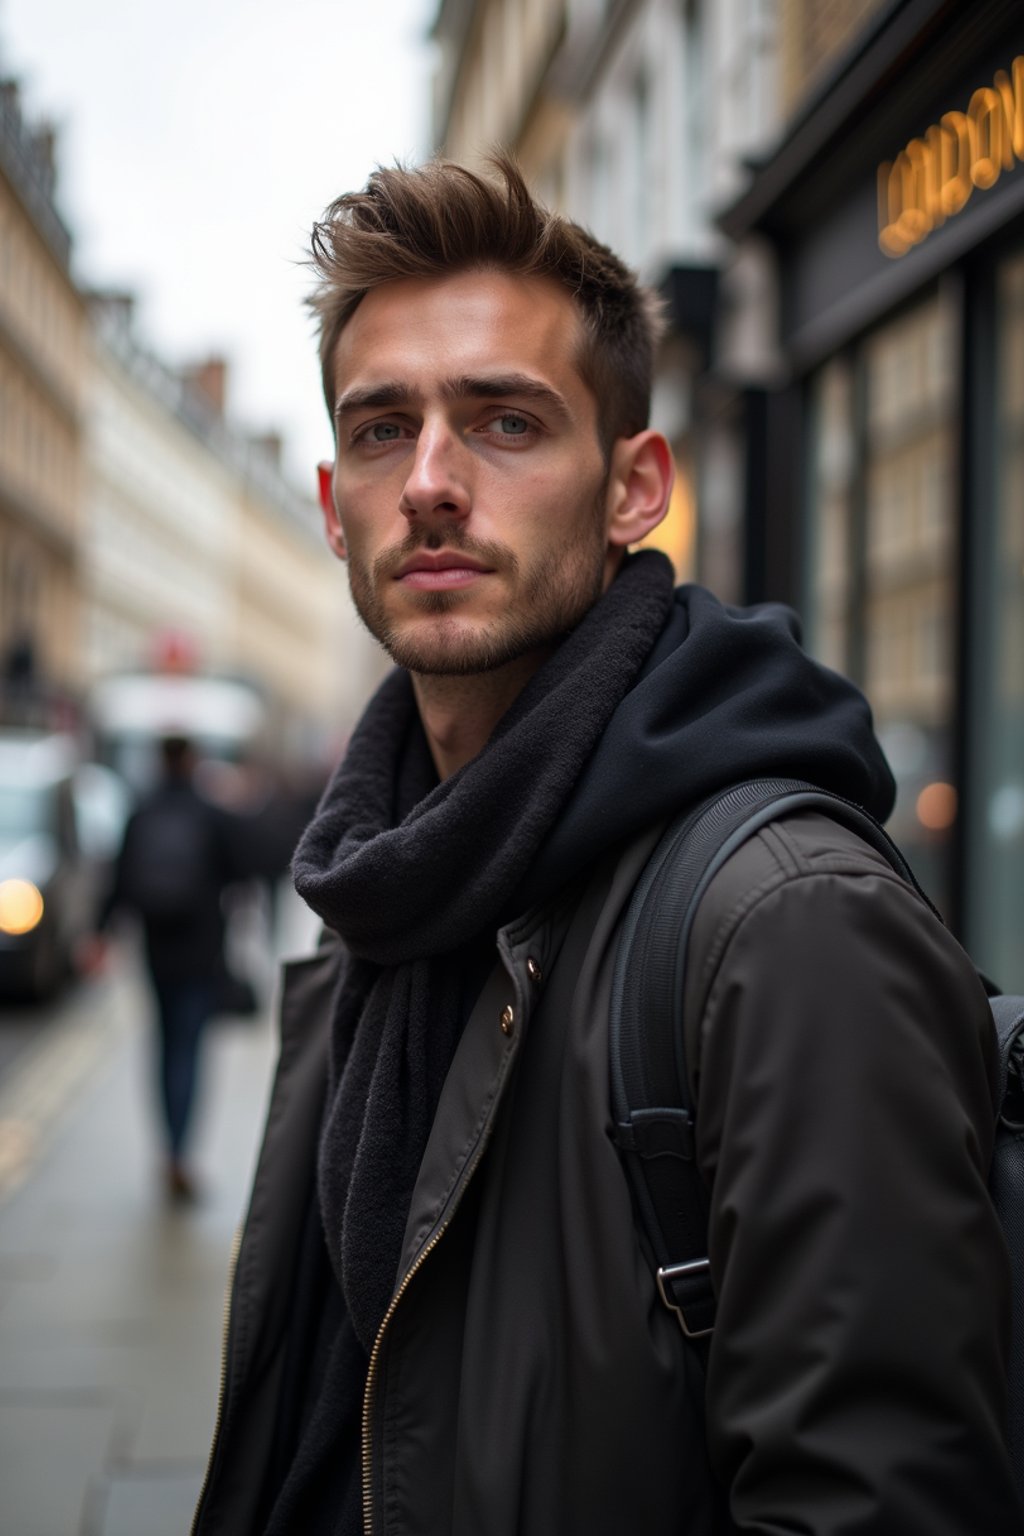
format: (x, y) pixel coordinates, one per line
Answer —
(443, 1319)
(179, 852)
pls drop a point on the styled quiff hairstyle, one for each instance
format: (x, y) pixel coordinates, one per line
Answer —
(441, 218)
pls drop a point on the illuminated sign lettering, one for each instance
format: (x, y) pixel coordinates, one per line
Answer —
(933, 177)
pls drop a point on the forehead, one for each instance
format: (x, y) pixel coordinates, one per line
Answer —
(423, 328)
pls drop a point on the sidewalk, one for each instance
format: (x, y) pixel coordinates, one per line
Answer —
(111, 1303)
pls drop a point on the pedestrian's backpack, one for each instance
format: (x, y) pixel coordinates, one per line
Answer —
(168, 864)
(651, 1100)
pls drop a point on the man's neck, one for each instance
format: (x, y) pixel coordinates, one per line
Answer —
(459, 713)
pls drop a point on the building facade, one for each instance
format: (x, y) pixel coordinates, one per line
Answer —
(191, 536)
(295, 628)
(42, 326)
(160, 510)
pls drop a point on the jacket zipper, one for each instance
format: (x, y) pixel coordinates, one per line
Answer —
(374, 1358)
(236, 1244)
(378, 1342)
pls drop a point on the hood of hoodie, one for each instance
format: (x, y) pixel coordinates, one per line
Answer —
(726, 694)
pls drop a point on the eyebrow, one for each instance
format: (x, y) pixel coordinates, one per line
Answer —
(499, 386)
(384, 395)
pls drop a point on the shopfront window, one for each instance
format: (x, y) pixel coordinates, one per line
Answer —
(881, 596)
(832, 491)
(997, 848)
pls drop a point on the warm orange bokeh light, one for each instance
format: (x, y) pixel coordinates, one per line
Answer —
(936, 807)
(21, 906)
(675, 535)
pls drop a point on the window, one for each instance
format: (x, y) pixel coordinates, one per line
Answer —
(997, 831)
(693, 163)
(830, 527)
(881, 594)
(640, 171)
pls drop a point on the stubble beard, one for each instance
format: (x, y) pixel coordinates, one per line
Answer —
(543, 606)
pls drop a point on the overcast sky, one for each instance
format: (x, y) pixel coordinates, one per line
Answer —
(197, 144)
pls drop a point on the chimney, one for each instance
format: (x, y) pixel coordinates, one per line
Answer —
(269, 445)
(10, 99)
(44, 144)
(208, 382)
(117, 304)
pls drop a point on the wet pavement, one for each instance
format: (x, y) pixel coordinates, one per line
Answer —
(112, 1300)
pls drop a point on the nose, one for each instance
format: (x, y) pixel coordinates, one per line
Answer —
(438, 481)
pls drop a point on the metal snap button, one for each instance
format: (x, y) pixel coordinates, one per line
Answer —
(508, 1019)
(533, 970)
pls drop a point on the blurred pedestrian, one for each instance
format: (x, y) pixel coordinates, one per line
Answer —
(178, 854)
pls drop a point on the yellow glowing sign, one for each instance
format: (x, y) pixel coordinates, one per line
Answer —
(933, 177)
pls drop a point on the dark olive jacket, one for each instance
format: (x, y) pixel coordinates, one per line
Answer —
(527, 1380)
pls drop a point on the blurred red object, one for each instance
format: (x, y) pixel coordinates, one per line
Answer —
(174, 651)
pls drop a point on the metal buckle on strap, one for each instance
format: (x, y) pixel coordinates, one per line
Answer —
(697, 1270)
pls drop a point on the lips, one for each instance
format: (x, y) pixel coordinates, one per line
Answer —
(452, 561)
(441, 572)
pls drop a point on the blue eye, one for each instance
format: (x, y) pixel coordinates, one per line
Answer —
(519, 424)
(383, 432)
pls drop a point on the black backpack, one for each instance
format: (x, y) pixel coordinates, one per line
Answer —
(169, 866)
(651, 1100)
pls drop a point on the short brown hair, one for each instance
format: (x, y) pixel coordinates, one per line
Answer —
(441, 218)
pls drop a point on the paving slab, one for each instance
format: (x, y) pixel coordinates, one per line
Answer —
(50, 1446)
(153, 1503)
(111, 1302)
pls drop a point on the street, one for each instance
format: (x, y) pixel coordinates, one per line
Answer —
(111, 1301)
(22, 1025)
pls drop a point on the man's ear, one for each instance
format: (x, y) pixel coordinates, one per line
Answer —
(332, 523)
(639, 486)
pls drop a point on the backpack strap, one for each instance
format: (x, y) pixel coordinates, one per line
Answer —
(1006, 1186)
(652, 1106)
(1008, 1014)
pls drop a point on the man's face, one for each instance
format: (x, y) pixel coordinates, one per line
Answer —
(469, 487)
